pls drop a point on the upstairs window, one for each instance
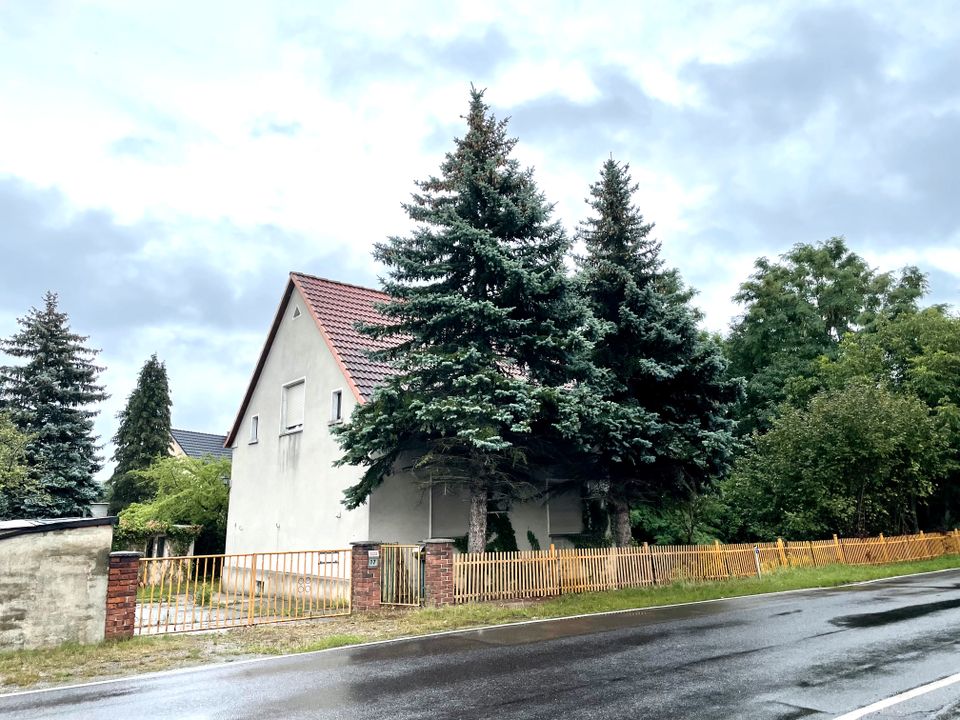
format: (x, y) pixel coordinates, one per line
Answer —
(255, 429)
(336, 406)
(292, 410)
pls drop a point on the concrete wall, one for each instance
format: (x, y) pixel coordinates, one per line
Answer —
(53, 587)
(451, 511)
(400, 510)
(285, 493)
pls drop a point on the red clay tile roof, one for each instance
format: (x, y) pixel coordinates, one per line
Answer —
(337, 307)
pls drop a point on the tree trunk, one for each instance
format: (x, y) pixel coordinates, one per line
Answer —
(477, 533)
(620, 523)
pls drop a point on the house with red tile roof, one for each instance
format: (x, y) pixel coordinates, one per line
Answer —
(285, 492)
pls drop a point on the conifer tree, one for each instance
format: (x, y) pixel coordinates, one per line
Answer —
(483, 330)
(143, 436)
(660, 426)
(49, 397)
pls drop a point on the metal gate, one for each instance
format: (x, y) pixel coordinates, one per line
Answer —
(401, 575)
(205, 592)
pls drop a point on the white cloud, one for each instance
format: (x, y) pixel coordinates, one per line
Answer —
(256, 138)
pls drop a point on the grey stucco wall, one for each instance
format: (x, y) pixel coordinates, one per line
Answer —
(407, 509)
(285, 492)
(53, 587)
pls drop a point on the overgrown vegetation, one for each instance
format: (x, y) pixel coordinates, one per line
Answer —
(190, 501)
(18, 490)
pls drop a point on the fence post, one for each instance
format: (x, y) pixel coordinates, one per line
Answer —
(613, 565)
(782, 552)
(438, 572)
(252, 590)
(365, 575)
(883, 548)
(646, 549)
(721, 565)
(841, 558)
(121, 595)
(555, 562)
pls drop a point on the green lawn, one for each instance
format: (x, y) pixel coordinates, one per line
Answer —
(70, 664)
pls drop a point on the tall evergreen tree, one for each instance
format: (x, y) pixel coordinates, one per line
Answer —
(49, 397)
(661, 426)
(143, 436)
(483, 329)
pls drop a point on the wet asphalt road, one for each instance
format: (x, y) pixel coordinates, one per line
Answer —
(806, 655)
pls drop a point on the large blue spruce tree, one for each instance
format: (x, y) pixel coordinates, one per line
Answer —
(484, 329)
(660, 424)
(49, 398)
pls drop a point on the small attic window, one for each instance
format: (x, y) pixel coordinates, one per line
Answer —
(296, 311)
(336, 406)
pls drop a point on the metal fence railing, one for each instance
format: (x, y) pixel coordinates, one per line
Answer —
(205, 592)
(517, 575)
(401, 575)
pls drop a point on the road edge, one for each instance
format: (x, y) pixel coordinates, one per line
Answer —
(444, 633)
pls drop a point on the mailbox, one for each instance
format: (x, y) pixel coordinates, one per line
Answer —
(373, 558)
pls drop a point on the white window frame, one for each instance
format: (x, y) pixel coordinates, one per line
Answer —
(283, 409)
(334, 417)
(254, 430)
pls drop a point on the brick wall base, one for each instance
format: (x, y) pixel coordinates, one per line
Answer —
(438, 572)
(121, 595)
(364, 580)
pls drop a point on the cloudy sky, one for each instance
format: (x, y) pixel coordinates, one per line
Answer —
(163, 166)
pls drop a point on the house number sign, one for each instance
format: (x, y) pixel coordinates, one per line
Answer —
(373, 558)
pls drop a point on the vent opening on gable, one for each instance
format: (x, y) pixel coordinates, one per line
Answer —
(296, 311)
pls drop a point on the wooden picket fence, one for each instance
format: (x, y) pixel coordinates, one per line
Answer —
(541, 573)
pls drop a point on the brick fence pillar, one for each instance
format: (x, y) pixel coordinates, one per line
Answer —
(121, 595)
(438, 572)
(365, 576)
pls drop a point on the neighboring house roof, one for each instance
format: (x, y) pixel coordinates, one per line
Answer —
(336, 308)
(199, 444)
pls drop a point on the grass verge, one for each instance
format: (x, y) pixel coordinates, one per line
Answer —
(74, 663)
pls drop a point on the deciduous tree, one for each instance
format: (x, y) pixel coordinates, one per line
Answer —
(799, 309)
(854, 462)
(914, 355)
(189, 491)
(20, 495)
